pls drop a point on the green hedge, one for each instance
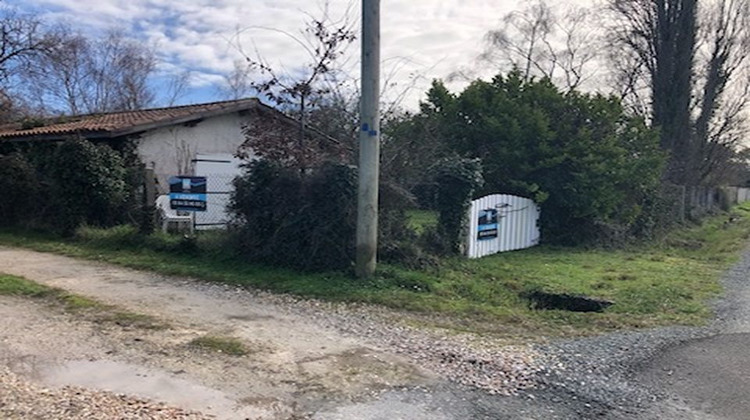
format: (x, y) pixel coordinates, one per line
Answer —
(61, 186)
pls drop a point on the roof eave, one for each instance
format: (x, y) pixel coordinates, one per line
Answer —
(108, 134)
(182, 120)
(98, 134)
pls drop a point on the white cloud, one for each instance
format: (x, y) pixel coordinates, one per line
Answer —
(427, 38)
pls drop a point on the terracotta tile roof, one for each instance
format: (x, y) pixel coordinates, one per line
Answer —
(116, 124)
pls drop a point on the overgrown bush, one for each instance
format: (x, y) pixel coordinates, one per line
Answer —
(661, 211)
(287, 217)
(139, 210)
(307, 219)
(20, 190)
(426, 194)
(88, 185)
(458, 179)
(61, 186)
(393, 202)
(397, 242)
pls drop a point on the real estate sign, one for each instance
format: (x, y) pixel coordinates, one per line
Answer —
(487, 224)
(187, 193)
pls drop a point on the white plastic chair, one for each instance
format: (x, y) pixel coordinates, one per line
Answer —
(168, 215)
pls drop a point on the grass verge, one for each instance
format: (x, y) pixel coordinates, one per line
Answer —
(79, 305)
(666, 283)
(226, 345)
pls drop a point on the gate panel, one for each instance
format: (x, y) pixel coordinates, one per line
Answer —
(500, 223)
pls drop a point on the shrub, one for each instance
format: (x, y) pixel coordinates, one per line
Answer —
(61, 186)
(307, 219)
(87, 185)
(20, 190)
(426, 194)
(295, 219)
(457, 179)
(392, 221)
(661, 211)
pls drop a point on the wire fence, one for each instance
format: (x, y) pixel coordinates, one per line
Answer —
(680, 203)
(218, 194)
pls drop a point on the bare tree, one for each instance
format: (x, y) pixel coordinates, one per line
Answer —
(23, 40)
(325, 40)
(176, 87)
(695, 68)
(59, 80)
(238, 82)
(80, 75)
(721, 118)
(545, 41)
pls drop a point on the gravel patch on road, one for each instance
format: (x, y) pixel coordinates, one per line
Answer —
(22, 400)
(466, 359)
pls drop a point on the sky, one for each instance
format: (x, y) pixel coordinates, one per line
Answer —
(421, 39)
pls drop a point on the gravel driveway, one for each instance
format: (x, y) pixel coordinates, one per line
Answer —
(310, 359)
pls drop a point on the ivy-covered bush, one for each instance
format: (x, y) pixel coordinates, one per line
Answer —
(20, 190)
(59, 186)
(138, 209)
(457, 179)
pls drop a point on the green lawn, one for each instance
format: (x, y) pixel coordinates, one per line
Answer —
(658, 284)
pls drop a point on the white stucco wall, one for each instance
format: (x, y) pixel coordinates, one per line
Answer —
(170, 150)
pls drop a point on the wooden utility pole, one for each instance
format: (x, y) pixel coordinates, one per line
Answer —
(369, 142)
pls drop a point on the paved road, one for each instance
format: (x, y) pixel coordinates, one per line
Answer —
(708, 377)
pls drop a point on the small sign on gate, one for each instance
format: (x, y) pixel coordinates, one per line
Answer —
(187, 193)
(487, 224)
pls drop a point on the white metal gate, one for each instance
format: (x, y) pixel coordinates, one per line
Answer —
(499, 223)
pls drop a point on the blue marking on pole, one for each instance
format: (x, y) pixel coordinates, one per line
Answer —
(366, 127)
(373, 133)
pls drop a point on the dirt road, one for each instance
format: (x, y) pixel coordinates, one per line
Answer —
(301, 364)
(323, 361)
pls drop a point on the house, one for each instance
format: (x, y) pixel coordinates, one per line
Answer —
(202, 139)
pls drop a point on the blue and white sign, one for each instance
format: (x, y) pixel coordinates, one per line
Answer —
(187, 193)
(487, 224)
